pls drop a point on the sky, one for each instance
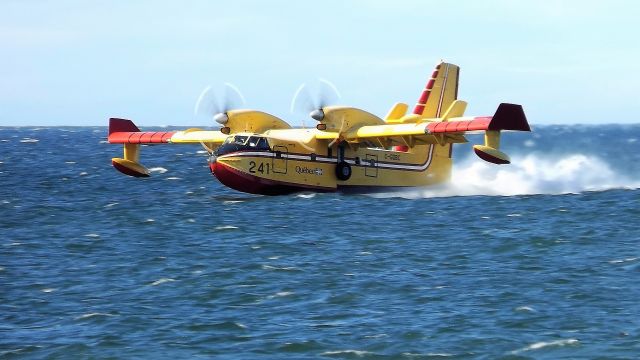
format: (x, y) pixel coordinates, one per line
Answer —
(69, 62)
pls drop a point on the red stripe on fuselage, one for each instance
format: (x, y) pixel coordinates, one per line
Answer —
(241, 181)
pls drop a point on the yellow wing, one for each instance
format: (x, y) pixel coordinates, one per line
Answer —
(195, 136)
(400, 134)
(122, 131)
(445, 130)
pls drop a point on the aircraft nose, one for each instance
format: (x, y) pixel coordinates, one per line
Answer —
(212, 163)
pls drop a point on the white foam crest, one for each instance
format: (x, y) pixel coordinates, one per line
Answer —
(90, 315)
(525, 309)
(285, 268)
(29, 140)
(359, 353)
(625, 260)
(159, 170)
(226, 227)
(280, 294)
(162, 281)
(528, 175)
(544, 344)
(407, 354)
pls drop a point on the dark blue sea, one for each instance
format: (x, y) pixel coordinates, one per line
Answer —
(539, 259)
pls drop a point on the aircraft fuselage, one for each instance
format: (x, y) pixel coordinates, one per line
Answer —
(286, 166)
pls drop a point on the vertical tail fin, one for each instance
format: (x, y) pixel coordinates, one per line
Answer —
(441, 90)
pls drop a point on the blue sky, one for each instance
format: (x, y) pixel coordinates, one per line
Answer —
(80, 62)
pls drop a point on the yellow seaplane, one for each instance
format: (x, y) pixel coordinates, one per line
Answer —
(349, 150)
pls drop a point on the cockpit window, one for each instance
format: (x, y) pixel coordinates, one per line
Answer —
(243, 142)
(258, 142)
(240, 139)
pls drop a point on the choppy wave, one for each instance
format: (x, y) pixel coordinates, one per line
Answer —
(29, 140)
(158, 169)
(92, 315)
(105, 265)
(358, 353)
(162, 281)
(545, 344)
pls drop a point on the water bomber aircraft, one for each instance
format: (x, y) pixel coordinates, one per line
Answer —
(349, 149)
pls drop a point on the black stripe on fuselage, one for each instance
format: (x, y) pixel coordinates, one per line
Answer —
(321, 159)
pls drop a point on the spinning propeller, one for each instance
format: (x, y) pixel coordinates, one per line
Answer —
(208, 104)
(312, 101)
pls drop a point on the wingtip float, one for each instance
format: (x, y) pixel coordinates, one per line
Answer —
(348, 150)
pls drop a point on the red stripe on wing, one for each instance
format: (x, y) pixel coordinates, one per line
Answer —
(477, 124)
(146, 137)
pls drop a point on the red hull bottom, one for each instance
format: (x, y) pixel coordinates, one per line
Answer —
(240, 181)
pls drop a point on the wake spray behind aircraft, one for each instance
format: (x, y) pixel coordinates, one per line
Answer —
(349, 149)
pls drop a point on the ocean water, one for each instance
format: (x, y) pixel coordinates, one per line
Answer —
(535, 260)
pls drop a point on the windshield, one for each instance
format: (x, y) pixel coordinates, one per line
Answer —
(240, 140)
(243, 142)
(258, 142)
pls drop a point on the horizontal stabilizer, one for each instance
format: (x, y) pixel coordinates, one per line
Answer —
(456, 109)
